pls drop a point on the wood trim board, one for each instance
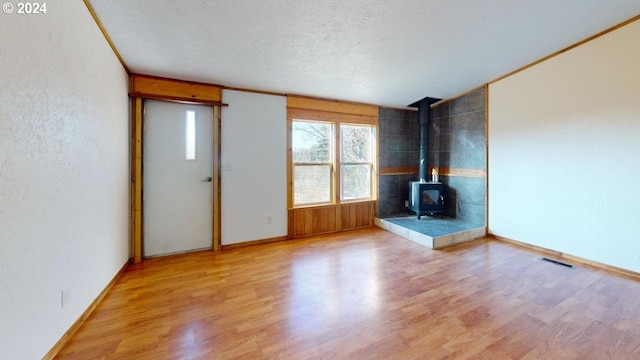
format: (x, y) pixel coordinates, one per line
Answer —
(151, 87)
(593, 37)
(294, 113)
(136, 181)
(442, 171)
(468, 173)
(562, 255)
(342, 107)
(254, 242)
(85, 315)
(106, 35)
(217, 193)
(137, 138)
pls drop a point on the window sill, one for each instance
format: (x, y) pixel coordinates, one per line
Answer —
(320, 205)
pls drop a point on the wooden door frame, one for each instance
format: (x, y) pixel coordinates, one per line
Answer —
(153, 88)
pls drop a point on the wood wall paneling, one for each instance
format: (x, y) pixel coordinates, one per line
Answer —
(357, 215)
(335, 106)
(313, 220)
(150, 87)
(331, 218)
(293, 113)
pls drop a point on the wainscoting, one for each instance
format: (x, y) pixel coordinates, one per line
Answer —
(330, 218)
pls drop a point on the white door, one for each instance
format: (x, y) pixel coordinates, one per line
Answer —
(177, 171)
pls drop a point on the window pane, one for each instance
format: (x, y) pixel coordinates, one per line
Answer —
(312, 141)
(191, 135)
(357, 143)
(356, 182)
(311, 184)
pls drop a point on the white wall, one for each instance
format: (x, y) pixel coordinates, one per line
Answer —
(564, 152)
(63, 173)
(254, 167)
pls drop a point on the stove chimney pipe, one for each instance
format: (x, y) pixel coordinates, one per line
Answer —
(424, 116)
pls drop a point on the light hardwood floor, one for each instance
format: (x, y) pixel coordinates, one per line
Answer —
(364, 294)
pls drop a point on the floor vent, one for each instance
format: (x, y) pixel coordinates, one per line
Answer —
(557, 262)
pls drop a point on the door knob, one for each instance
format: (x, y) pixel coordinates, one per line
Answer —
(208, 179)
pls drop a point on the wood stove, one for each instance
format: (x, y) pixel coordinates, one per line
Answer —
(426, 198)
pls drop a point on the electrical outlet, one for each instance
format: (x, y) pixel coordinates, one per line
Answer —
(226, 166)
(406, 203)
(269, 220)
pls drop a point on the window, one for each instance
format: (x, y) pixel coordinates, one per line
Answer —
(314, 145)
(356, 161)
(190, 130)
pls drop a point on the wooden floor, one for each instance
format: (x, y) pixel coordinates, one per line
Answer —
(365, 294)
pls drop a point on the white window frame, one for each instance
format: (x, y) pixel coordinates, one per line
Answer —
(370, 163)
(336, 164)
(330, 164)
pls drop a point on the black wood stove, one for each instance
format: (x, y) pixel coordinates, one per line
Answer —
(426, 198)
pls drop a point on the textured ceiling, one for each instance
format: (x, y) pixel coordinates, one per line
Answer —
(384, 52)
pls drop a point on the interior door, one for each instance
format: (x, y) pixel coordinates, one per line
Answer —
(177, 178)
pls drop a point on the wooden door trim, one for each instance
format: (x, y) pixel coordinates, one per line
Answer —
(137, 202)
(217, 194)
(136, 180)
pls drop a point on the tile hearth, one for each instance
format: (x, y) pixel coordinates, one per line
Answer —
(432, 232)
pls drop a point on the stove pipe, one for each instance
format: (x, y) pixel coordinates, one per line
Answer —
(424, 111)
